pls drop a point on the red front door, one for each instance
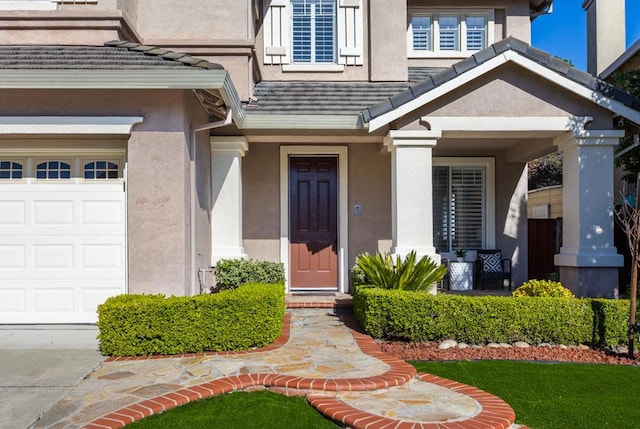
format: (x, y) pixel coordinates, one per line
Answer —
(313, 217)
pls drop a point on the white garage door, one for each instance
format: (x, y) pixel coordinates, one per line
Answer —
(62, 246)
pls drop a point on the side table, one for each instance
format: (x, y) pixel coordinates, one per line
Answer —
(461, 275)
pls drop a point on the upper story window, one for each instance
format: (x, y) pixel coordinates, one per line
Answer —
(448, 33)
(53, 170)
(313, 31)
(10, 170)
(313, 35)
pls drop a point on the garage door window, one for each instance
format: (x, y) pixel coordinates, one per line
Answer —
(10, 170)
(53, 170)
(100, 170)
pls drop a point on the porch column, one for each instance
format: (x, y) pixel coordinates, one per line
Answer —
(588, 260)
(412, 189)
(226, 188)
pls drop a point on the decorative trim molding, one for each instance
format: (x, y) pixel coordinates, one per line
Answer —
(68, 124)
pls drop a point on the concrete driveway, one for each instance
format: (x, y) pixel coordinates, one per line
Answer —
(38, 366)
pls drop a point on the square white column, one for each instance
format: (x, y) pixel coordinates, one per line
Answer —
(226, 189)
(588, 259)
(412, 191)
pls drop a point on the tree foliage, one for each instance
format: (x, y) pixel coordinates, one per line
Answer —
(545, 171)
(630, 161)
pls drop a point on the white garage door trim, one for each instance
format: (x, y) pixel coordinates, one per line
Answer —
(62, 244)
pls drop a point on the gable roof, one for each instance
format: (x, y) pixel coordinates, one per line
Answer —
(506, 50)
(114, 55)
(118, 65)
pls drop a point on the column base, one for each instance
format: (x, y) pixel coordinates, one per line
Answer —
(591, 282)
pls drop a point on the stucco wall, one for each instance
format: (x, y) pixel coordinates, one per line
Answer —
(370, 187)
(193, 19)
(261, 201)
(511, 215)
(388, 49)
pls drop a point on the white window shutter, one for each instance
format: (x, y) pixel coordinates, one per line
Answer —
(350, 32)
(275, 28)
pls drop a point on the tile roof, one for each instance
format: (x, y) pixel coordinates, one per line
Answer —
(114, 55)
(328, 98)
(509, 44)
(319, 98)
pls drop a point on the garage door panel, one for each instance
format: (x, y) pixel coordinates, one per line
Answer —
(102, 256)
(12, 257)
(52, 213)
(101, 213)
(12, 300)
(12, 213)
(62, 250)
(52, 256)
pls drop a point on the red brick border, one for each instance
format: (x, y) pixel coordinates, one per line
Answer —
(495, 414)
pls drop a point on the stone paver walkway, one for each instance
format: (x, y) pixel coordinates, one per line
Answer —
(342, 372)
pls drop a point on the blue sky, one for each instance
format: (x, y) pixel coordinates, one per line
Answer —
(563, 33)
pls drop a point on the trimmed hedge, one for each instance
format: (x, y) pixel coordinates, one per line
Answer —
(240, 319)
(231, 273)
(419, 316)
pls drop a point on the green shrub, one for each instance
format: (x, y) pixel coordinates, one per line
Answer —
(358, 277)
(420, 316)
(407, 274)
(543, 288)
(231, 273)
(248, 317)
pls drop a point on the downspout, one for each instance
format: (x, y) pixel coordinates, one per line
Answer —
(192, 161)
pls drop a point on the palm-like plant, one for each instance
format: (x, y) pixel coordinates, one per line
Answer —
(405, 274)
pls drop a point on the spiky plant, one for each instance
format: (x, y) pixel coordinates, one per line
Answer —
(405, 274)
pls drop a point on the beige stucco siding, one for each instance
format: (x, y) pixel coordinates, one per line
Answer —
(511, 215)
(261, 201)
(193, 19)
(370, 187)
(388, 54)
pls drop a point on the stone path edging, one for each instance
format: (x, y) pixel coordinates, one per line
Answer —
(495, 413)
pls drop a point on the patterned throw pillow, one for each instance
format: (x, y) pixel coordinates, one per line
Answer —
(491, 262)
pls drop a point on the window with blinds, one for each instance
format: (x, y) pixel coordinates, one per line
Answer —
(314, 31)
(458, 207)
(476, 33)
(448, 33)
(421, 29)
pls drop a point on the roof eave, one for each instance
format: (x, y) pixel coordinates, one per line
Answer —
(186, 78)
(303, 122)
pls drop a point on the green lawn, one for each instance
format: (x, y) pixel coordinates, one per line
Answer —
(543, 395)
(240, 410)
(554, 395)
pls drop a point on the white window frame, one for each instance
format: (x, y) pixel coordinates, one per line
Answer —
(22, 162)
(59, 159)
(84, 161)
(314, 38)
(489, 227)
(462, 16)
(349, 37)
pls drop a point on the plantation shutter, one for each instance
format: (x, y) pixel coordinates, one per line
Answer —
(441, 209)
(458, 207)
(350, 32)
(276, 32)
(467, 207)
